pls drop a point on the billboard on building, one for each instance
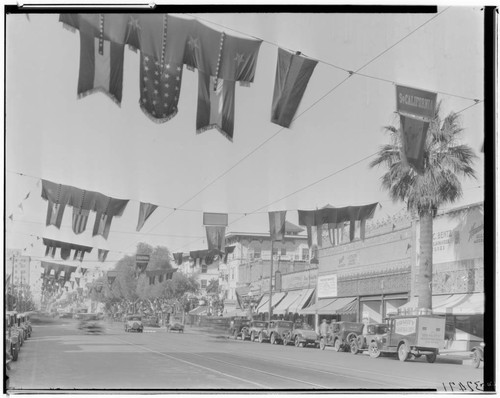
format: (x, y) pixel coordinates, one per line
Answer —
(327, 286)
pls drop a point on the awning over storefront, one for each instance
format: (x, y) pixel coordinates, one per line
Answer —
(243, 290)
(316, 307)
(201, 310)
(302, 301)
(455, 304)
(289, 299)
(264, 302)
(343, 305)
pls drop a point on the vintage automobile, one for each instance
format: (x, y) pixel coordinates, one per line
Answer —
(175, 326)
(133, 323)
(23, 324)
(238, 327)
(90, 324)
(275, 332)
(12, 341)
(341, 334)
(14, 326)
(372, 332)
(478, 355)
(411, 336)
(255, 328)
(301, 335)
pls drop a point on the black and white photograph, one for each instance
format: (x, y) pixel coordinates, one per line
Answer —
(249, 199)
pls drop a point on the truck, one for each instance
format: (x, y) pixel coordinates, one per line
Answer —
(411, 336)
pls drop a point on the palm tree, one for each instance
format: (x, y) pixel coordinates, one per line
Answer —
(445, 161)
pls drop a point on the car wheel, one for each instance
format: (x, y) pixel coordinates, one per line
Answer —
(273, 338)
(373, 350)
(476, 358)
(431, 358)
(336, 345)
(354, 347)
(403, 352)
(235, 334)
(252, 336)
(286, 341)
(261, 338)
(297, 341)
(322, 343)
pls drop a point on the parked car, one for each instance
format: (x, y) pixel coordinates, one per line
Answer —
(90, 324)
(372, 332)
(341, 334)
(478, 355)
(256, 327)
(239, 327)
(175, 326)
(12, 342)
(14, 326)
(301, 335)
(134, 323)
(275, 332)
(411, 335)
(23, 324)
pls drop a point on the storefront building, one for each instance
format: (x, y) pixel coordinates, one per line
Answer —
(365, 280)
(457, 275)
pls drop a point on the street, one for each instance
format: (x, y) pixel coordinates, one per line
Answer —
(59, 356)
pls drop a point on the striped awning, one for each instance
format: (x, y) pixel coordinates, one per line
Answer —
(455, 304)
(343, 305)
(302, 301)
(289, 299)
(264, 302)
(316, 307)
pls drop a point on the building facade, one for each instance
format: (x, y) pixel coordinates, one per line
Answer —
(18, 266)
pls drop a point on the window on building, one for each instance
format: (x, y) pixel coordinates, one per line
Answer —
(305, 254)
(275, 252)
(283, 251)
(203, 268)
(257, 252)
(203, 283)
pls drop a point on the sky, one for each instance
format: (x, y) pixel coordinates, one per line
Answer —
(93, 144)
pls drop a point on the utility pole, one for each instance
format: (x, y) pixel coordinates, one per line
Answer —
(271, 281)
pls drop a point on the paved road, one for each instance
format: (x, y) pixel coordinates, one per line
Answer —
(59, 356)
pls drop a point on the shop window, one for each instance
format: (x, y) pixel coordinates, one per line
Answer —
(203, 283)
(275, 252)
(283, 251)
(203, 268)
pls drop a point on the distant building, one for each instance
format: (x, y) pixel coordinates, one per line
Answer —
(248, 269)
(17, 265)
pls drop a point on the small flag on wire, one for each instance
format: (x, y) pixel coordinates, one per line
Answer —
(27, 196)
(277, 225)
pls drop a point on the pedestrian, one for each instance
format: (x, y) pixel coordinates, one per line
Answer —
(323, 329)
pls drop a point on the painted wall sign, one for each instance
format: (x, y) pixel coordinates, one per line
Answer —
(327, 286)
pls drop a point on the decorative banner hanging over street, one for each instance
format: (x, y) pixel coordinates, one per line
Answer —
(416, 108)
(293, 72)
(83, 202)
(215, 239)
(277, 225)
(66, 248)
(145, 210)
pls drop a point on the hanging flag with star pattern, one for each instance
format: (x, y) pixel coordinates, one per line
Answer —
(162, 41)
(293, 72)
(221, 60)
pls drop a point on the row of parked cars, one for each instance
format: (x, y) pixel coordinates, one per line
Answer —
(404, 336)
(17, 330)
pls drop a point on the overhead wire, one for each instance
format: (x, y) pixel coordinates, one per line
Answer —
(347, 70)
(350, 73)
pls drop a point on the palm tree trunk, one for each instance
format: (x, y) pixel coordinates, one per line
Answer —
(424, 281)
